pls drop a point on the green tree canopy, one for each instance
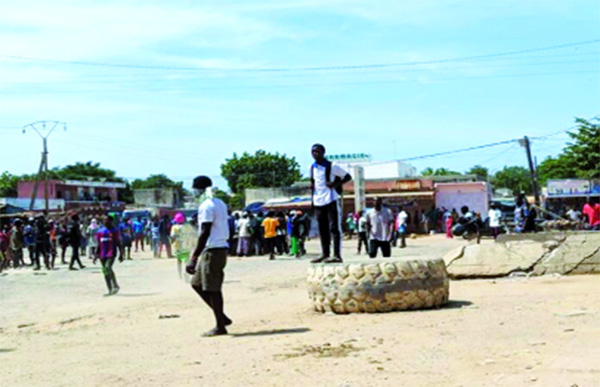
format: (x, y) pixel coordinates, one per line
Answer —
(580, 158)
(262, 169)
(516, 178)
(439, 172)
(8, 185)
(478, 170)
(80, 171)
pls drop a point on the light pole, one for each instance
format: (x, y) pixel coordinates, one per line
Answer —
(41, 127)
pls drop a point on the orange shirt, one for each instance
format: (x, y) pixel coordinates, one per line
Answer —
(270, 226)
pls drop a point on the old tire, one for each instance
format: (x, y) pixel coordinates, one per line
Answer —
(378, 287)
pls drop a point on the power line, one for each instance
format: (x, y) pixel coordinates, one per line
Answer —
(290, 69)
(281, 86)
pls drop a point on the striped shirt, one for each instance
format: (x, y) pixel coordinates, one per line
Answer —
(107, 242)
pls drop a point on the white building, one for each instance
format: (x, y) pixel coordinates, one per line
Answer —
(393, 169)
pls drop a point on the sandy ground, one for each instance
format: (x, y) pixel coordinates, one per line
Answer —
(56, 329)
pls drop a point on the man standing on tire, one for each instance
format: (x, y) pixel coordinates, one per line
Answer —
(327, 180)
(380, 223)
(212, 248)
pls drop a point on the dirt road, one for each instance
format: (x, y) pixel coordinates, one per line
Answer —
(57, 329)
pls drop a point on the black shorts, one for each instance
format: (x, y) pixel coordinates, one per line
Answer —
(209, 270)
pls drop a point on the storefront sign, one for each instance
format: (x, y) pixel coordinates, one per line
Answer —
(572, 187)
(348, 157)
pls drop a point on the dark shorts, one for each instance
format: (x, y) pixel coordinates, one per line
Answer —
(209, 270)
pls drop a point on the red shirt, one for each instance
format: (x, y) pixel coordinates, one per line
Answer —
(593, 213)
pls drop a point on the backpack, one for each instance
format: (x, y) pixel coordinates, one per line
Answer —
(337, 179)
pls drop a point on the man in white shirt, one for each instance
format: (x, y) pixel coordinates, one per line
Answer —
(245, 232)
(327, 180)
(380, 223)
(212, 246)
(494, 217)
(401, 226)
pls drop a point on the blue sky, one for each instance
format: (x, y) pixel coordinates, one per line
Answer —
(204, 98)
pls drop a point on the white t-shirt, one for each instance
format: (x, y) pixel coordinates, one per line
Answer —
(494, 217)
(401, 219)
(244, 225)
(322, 194)
(380, 224)
(214, 211)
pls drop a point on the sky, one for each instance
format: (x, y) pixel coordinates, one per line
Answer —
(177, 87)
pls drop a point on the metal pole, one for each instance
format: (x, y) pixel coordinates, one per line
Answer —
(46, 173)
(44, 162)
(532, 171)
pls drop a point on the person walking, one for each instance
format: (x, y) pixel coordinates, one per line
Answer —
(362, 233)
(208, 271)
(74, 241)
(109, 244)
(16, 244)
(327, 180)
(138, 234)
(402, 226)
(91, 231)
(380, 224)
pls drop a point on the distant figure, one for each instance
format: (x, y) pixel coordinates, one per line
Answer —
(449, 223)
(138, 234)
(74, 240)
(362, 233)
(380, 223)
(91, 231)
(244, 236)
(270, 224)
(494, 218)
(402, 226)
(327, 180)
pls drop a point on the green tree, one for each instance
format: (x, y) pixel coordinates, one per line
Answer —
(439, 172)
(478, 170)
(516, 178)
(262, 169)
(580, 158)
(8, 185)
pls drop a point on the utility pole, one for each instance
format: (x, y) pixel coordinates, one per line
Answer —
(44, 162)
(532, 170)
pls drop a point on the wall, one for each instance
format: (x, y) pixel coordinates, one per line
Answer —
(39, 204)
(253, 195)
(475, 195)
(25, 188)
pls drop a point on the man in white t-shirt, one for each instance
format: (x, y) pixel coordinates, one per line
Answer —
(494, 217)
(402, 226)
(327, 180)
(380, 223)
(212, 246)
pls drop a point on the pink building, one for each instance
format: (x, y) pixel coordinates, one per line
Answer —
(72, 190)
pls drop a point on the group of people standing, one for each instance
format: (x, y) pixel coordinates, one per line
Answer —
(43, 238)
(271, 233)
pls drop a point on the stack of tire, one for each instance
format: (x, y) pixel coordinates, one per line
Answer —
(378, 286)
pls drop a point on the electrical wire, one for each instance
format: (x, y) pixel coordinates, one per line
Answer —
(308, 68)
